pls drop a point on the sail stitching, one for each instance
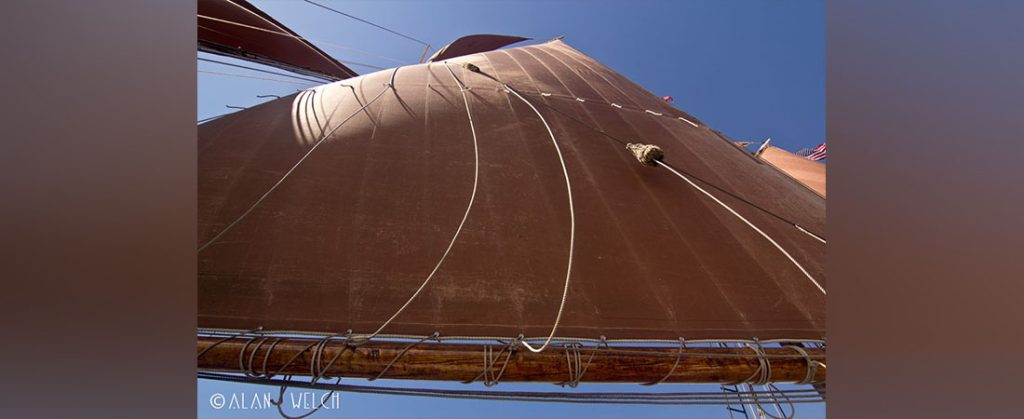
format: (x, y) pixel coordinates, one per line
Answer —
(472, 198)
(297, 164)
(572, 221)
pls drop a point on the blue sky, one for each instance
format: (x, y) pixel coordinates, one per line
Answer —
(750, 69)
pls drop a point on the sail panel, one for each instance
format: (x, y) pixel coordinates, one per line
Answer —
(237, 29)
(349, 234)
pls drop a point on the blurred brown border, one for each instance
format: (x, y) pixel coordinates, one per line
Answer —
(97, 203)
(925, 201)
(925, 205)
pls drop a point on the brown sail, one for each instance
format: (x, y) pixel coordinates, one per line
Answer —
(472, 44)
(808, 172)
(237, 29)
(304, 233)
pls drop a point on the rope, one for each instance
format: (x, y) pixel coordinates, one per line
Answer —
(766, 236)
(472, 198)
(259, 70)
(289, 172)
(576, 371)
(279, 403)
(370, 23)
(241, 355)
(293, 36)
(316, 372)
(572, 219)
(764, 367)
(490, 379)
(613, 138)
(809, 233)
(500, 339)
(679, 356)
(245, 76)
(646, 153)
(214, 344)
(400, 355)
(772, 389)
(812, 365)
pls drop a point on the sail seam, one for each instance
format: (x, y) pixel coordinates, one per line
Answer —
(572, 224)
(297, 164)
(472, 198)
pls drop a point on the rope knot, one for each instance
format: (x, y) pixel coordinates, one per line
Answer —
(646, 153)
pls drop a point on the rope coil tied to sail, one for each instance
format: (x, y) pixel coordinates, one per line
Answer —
(646, 153)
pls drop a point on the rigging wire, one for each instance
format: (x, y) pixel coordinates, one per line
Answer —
(667, 398)
(212, 118)
(369, 23)
(262, 70)
(218, 73)
(762, 233)
(301, 38)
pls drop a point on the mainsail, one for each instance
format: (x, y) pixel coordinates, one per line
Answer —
(492, 197)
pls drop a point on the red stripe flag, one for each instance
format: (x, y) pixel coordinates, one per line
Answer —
(667, 98)
(819, 153)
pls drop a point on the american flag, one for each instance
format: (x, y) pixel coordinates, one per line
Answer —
(817, 153)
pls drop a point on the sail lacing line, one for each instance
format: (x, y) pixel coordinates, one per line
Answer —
(656, 161)
(298, 163)
(490, 358)
(232, 333)
(747, 222)
(573, 362)
(401, 354)
(354, 340)
(679, 356)
(609, 136)
(472, 198)
(613, 104)
(317, 372)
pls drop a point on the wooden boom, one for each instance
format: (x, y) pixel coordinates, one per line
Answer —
(464, 362)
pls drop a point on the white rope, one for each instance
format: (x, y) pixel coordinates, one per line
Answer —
(289, 172)
(572, 225)
(766, 236)
(246, 76)
(687, 121)
(472, 197)
(809, 233)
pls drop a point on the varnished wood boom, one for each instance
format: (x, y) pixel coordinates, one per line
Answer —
(462, 362)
